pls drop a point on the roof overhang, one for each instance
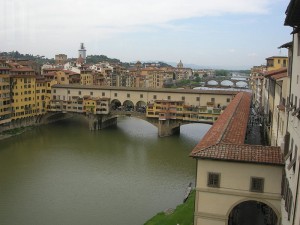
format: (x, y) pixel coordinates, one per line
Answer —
(292, 14)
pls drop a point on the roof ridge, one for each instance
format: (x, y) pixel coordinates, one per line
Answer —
(228, 122)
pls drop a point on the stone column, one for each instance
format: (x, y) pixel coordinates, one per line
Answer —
(168, 127)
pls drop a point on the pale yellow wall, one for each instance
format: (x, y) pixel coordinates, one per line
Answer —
(62, 78)
(234, 187)
(86, 79)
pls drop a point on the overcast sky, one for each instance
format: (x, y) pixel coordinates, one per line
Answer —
(229, 34)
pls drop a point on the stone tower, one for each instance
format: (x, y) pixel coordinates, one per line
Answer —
(82, 52)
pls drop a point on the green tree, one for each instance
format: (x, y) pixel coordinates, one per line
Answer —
(222, 73)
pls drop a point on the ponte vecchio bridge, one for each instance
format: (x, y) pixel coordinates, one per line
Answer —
(167, 109)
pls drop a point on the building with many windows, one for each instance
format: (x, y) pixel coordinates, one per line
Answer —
(291, 177)
(5, 94)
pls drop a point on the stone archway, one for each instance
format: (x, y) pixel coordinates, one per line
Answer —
(128, 105)
(115, 104)
(251, 212)
(141, 106)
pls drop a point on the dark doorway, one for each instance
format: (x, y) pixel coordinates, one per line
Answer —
(252, 213)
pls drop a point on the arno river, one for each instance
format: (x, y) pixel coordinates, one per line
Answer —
(65, 174)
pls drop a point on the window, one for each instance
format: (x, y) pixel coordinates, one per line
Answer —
(103, 94)
(68, 91)
(91, 93)
(257, 184)
(182, 98)
(79, 92)
(116, 94)
(212, 99)
(54, 91)
(198, 99)
(292, 163)
(213, 180)
(154, 96)
(128, 95)
(228, 99)
(288, 196)
(169, 97)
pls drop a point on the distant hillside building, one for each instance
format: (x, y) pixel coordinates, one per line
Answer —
(180, 65)
(61, 59)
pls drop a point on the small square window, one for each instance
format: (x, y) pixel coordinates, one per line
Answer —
(116, 94)
(198, 99)
(79, 92)
(169, 97)
(257, 184)
(141, 95)
(182, 98)
(103, 93)
(213, 180)
(154, 96)
(228, 99)
(91, 93)
(128, 95)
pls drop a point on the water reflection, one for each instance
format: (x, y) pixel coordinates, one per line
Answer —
(64, 174)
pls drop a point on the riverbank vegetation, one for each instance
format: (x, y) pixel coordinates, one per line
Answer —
(182, 215)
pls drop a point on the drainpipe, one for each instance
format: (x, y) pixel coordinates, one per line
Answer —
(296, 198)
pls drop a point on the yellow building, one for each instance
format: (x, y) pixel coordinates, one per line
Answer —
(40, 96)
(67, 77)
(5, 97)
(170, 109)
(23, 92)
(277, 62)
(86, 77)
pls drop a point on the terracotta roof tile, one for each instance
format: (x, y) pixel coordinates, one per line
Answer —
(274, 72)
(243, 153)
(225, 139)
(279, 76)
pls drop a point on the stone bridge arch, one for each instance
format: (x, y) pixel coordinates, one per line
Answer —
(115, 103)
(227, 83)
(241, 83)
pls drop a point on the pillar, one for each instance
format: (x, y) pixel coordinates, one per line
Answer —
(168, 127)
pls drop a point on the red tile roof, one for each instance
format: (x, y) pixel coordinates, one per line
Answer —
(279, 76)
(243, 153)
(274, 72)
(22, 69)
(225, 139)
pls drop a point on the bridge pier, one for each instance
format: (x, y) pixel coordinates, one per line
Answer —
(99, 122)
(168, 127)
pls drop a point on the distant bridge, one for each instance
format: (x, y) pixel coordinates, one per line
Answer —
(226, 82)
